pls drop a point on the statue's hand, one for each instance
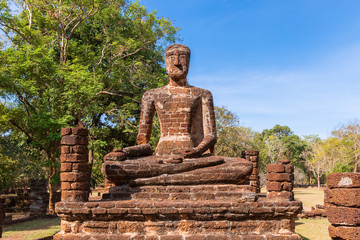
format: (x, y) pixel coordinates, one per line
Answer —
(192, 153)
(116, 155)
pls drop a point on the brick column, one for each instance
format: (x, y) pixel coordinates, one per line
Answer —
(75, 174)
(254, 179)
(342, 203)
(39, 198)
(280, 177)
(2, 218)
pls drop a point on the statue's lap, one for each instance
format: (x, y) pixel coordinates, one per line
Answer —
(203, 170)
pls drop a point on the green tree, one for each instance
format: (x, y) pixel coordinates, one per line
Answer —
(349, 134)
(232, 138)
(280, 142)
(67, 62)
(323, 157)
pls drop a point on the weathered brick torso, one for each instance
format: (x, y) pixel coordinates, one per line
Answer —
(180, 112)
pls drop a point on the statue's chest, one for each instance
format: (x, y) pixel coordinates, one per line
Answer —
(177, 103)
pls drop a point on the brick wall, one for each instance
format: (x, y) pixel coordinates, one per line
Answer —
(254, 179)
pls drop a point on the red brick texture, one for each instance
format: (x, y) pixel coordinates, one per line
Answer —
(280, 177)
(219, 192)
(254, 179)
(2, 213)
(75, 174)
(343, 232)
(343, 205)
(183, 219)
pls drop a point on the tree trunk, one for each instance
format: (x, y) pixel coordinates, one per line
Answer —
(52, 198)
(318, 182)
(52, 188)
(356, 165)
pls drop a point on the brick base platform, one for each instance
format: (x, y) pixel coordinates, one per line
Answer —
(242, 193)
(177, 220)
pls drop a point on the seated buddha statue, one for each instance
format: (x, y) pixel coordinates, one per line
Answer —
(188, 135)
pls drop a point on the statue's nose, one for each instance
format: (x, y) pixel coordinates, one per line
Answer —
(176, 61)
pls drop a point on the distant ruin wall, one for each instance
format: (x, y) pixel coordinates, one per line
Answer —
(39, 198)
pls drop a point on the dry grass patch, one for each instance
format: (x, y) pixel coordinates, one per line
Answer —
(311, 229)
(309, 196)
(34, 229)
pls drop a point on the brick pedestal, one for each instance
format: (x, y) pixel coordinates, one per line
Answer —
(75, 174)
(178, 220)
(280, 177)
(173, 212)
(39, 198)
(342, 202)
(254, 179)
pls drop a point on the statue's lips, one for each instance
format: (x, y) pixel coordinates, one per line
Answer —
(176, 71)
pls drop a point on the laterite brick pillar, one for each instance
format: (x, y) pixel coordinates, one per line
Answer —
(342, 202)
(254, 179)
(280, 181)
(75, 174)
(2, 218)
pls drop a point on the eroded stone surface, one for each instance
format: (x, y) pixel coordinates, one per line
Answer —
(343, 180)
(342, 204)
(181, 210)
(75, 174)
(347, 197)
(181, 193)
(280, 178)
(188, 130)
(346, 216)
(2, 214)
(342, 232)
(229, 192)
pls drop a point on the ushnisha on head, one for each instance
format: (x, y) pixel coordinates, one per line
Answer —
(177, 58)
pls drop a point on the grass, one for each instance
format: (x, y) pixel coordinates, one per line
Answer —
(34, 229)
(311, 229)
(309, 196)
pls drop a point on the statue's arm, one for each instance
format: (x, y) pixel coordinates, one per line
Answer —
(209, 127)
(146, 118)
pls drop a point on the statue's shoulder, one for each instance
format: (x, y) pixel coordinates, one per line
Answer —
(153, 93)
(201, 92)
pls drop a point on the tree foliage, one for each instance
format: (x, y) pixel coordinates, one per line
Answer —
(89, 61)
(280, 142)
(232, 138)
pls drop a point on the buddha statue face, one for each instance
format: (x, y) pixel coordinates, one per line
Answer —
(177, 61)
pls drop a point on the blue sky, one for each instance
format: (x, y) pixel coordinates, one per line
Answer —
(294, 63)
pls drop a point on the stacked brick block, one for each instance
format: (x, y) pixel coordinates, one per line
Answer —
(38, 198)
(254, 179)
(75, 174)
(280, 177)
(2, 216)
(342, 202)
